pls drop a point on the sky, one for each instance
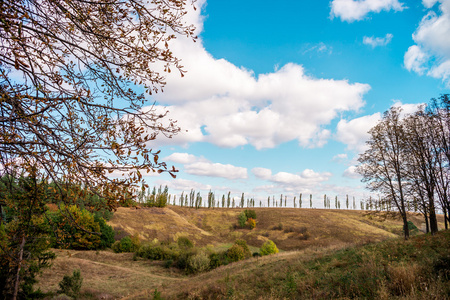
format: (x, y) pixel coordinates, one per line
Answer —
(279, 95)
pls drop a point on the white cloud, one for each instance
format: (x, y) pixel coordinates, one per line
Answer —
(432, 50)
(340, 157)
(229, 106)
(262, 173)
(184, 185)
(377, 41)
(202, 167)
(305, 181)
(415, 59)
(354, 10)
(354, 133)
(429, 3)
(407, 108)
(216, 170)
(182, 158)
(350, 172)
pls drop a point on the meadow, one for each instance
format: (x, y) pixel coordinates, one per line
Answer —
(324, 254)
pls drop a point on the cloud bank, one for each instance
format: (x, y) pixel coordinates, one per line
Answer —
(431, 53)
(354, 10)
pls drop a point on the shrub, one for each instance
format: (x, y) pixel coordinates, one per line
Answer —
(158, 252)
(218, 259)
(71, 285)
(250, 214)
(72, 228)
(251, 223)
(244, 246)
(235, 253)
(268, 247)
(107, 237)
(242, 218)
(184, 242)
(198, 263)
(126, 244)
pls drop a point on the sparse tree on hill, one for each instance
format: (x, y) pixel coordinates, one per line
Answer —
(382, 164)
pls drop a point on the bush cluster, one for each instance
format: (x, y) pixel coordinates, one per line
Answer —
(77, 228)
(185, 256)
(127, 244)
(247, 218)
(268, 247)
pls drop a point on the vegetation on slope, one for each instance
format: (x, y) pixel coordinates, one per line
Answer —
(415, 269)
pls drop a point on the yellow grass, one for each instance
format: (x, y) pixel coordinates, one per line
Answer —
(109, 275)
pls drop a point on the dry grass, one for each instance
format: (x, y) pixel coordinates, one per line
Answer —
(107, 275)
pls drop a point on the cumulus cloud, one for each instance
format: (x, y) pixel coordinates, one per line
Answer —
(340, 157)
(181, 158)
(415, 59)
(350, 172)
(230, 106)
(307, 180)
(378, 41)
(184, 185)
(216, 170)
(262, 173)
(431, 54)
(354, 133)
(355, 10)
(200, 166)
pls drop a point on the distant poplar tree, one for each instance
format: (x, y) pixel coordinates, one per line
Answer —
(354, 203)
(223, 200)
(300, 201)
(310, 200)
(268, 201)
(346, 202)
(295, 205)
(325, 201)
(228, 200)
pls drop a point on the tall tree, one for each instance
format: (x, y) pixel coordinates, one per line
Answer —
(381, 165)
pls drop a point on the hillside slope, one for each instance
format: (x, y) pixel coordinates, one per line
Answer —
(289, 228)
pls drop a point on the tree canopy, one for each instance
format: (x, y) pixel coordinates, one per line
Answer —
(69, 72)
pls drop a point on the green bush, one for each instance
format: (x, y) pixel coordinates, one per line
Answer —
(198, 263)
(235, 253)
(244, 246)
(126, 244)
(71, 285)
(218, 259)
(184, 242)
(74, 228)
(107, 237)
(250, 214)
(159, 252)
(268, 247)
(242, 218)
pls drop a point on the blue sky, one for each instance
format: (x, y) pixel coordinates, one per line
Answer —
(278, 96)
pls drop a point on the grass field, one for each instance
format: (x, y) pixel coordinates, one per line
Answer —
(305, 237)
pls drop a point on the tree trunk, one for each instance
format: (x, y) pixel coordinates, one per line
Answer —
(427, 224)
(433, 220)
(16, 283)
(445, 218)
(405, 227)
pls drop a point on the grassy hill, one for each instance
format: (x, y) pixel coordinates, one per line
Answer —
(322, 252)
